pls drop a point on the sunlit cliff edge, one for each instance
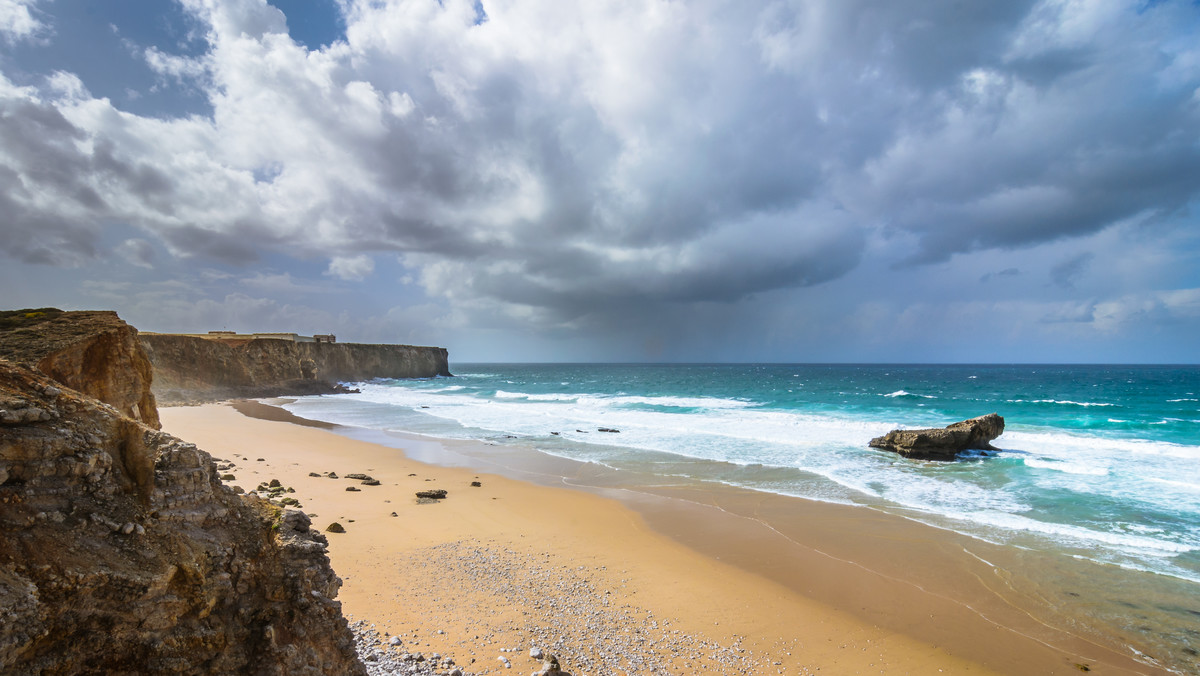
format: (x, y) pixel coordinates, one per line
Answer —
(190, 368)
(121, 551)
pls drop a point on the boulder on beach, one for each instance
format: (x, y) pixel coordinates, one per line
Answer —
(435, 494)
(945, 443)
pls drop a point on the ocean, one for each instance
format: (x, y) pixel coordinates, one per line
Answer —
(1098, 463)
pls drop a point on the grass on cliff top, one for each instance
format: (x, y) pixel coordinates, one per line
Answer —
(15, 319)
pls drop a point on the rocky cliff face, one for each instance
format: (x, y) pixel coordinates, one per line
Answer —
(187, 368)
(122, 553)
(92, 352)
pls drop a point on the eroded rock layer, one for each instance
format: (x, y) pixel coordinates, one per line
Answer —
(93, 352)
(122, 553)
(187, 368)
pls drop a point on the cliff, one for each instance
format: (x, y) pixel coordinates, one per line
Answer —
(122, 553)
(187, 368)
(91, 352)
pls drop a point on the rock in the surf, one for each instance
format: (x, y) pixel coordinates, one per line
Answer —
(945, 443)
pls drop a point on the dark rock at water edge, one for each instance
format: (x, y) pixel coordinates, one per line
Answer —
(944, 443)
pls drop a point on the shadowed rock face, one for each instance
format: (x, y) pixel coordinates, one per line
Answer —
(93, 352)
(945, 443)
(187, 368)
(120, 550)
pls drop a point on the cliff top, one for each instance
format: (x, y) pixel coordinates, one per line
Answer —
(26, 336)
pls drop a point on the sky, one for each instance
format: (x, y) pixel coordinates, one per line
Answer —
(615, 180)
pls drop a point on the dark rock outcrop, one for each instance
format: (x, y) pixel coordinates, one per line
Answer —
(190, 369)
(945, 443)
(121, 552)
(92, 352)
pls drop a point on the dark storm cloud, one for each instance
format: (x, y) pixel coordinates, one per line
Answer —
(558, 161)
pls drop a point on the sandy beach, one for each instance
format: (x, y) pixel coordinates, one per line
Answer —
(667, 580)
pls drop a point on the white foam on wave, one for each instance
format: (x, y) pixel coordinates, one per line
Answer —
(902, 393)
(1060, 402)
(501, 394)
(1075, 443)
(1177, 484)
(740, 432)
(1068, 467)
(1079, 536)
(685, 402)
(599, 401)
(1176, 401)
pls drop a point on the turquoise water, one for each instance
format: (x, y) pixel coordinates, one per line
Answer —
(1098, 462)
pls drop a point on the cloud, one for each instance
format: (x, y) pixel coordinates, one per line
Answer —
(137, 252)
(568, 164)
(1066, 273)
(19, 20)
(1006, 272)
(351, 268)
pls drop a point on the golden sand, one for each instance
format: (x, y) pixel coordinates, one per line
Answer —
(490, 571)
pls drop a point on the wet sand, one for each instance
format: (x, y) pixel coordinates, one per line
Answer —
(617, 578)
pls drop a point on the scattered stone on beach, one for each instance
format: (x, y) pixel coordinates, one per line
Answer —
(335, 527)
(314, 474)
(370, 482)
(274, 483)
(228, 477)
(262, 459)
(945, 443)
(551, 668)
(359, 476)
(333, 475)
(476, 484)
(352, 489)
(395, 514)
(608, 429)
(572, 623)
(435, 494)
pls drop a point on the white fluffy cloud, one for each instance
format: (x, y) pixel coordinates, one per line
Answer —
(556, 159)
(18, 19)
(351, 268)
